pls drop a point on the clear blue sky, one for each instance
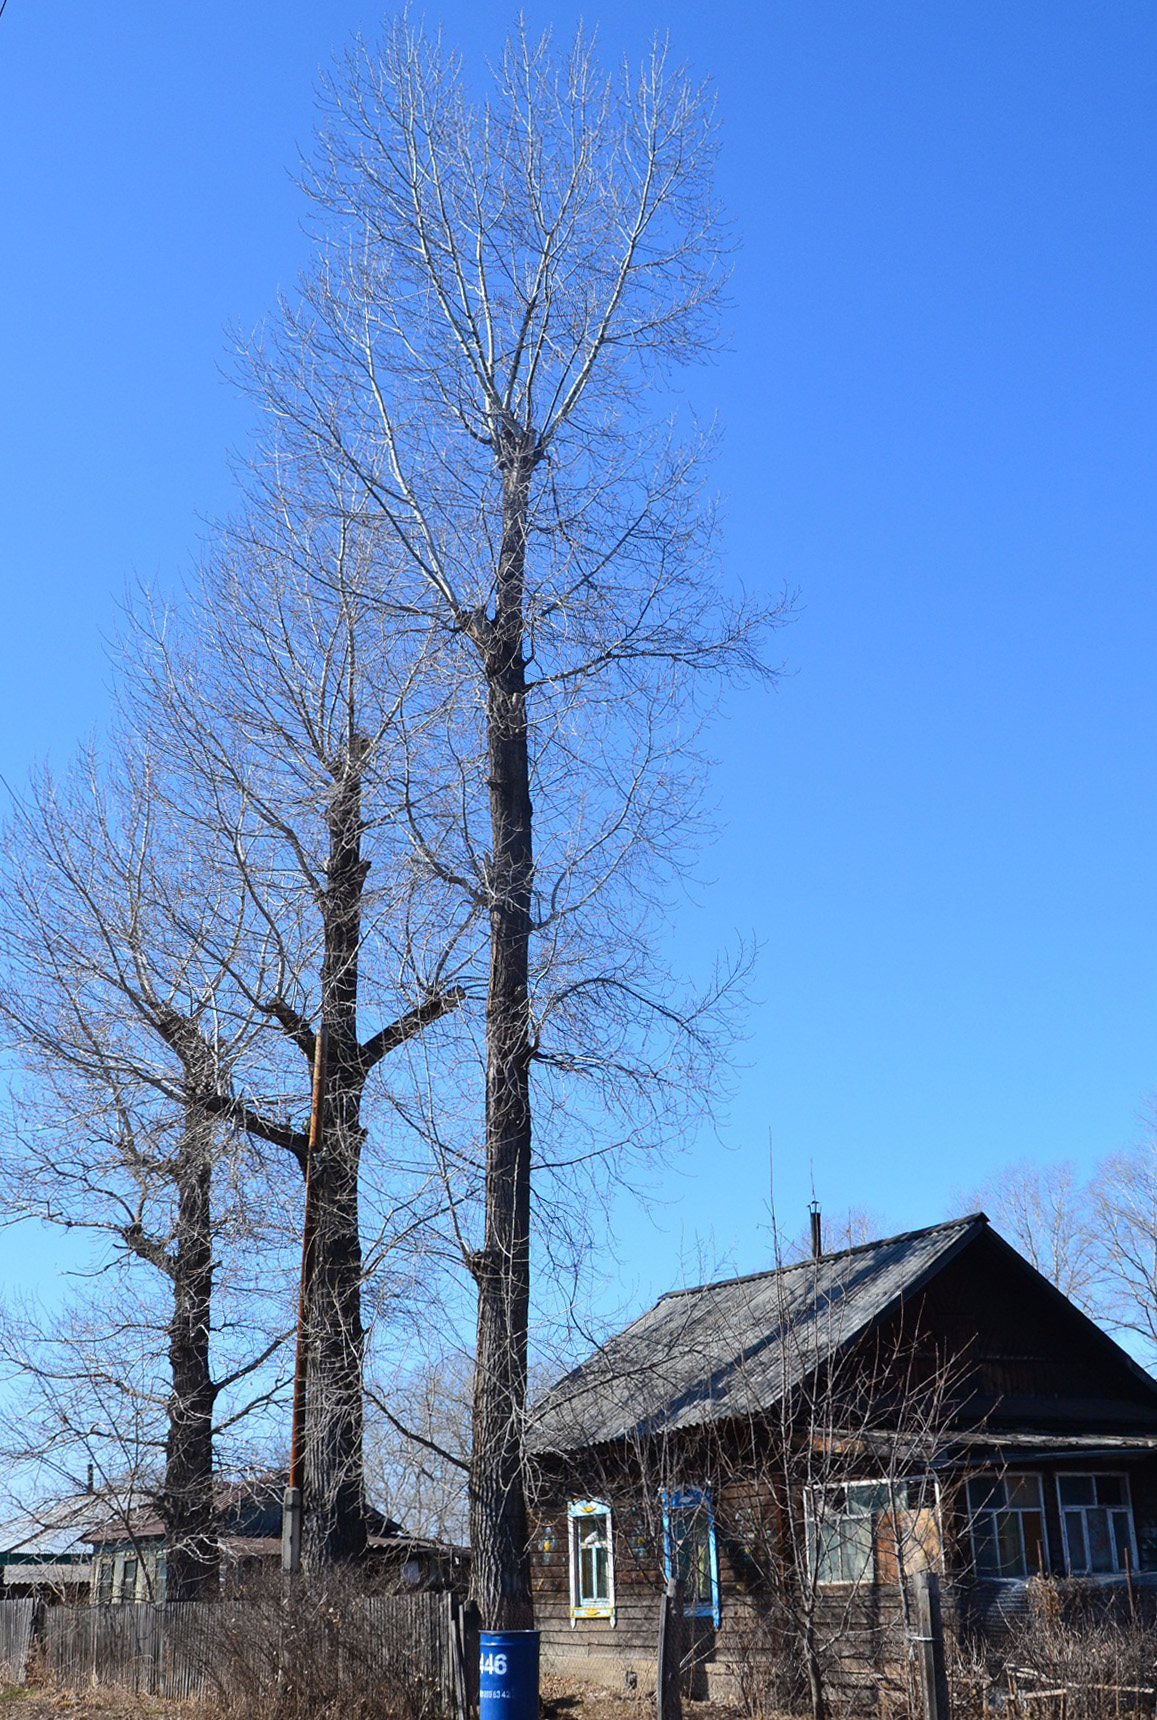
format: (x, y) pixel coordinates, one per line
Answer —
(940, 408)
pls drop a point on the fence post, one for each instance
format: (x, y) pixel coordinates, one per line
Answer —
(470, 1626)
(454, 1665)
(668, 1698)
(929, 1643)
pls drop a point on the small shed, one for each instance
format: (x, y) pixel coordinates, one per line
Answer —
(44, 1553)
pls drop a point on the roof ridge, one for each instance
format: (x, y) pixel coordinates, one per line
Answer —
(828, 1254)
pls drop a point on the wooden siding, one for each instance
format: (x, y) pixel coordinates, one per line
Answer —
(865, 1626)
(596, 1650)
(1031, 1370)
(744, 1658)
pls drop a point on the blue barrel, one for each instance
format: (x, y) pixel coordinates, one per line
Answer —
(508, 1675)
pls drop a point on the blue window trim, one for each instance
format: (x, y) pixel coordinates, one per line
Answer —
(693, 1499)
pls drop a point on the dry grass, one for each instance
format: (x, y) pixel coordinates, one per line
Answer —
(44, 1703)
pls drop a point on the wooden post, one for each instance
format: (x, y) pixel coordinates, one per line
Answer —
(929, 1644)
(668, 1697)
(454, 1673)
(469, 1626)
(1129, 1586)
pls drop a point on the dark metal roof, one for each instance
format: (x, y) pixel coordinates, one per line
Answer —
(737, 1347)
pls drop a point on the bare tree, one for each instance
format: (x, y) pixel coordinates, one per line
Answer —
(418, 1442)
(502, 287)
(119, 1119)
(281, 704)
(1123, 1220)
(86, 1445)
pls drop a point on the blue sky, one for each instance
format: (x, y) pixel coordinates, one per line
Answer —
(940, 420)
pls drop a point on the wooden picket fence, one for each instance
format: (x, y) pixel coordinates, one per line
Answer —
(192, 1648)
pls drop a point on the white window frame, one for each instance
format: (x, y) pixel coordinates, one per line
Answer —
(1018, 1511)
(811, 1526)
(1127, 1493)
(577, 1512)
(127, 1592)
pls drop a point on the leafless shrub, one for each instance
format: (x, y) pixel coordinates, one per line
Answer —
(321, 1654)
(1097, 1645)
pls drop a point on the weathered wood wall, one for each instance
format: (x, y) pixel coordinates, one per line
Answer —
(15, 1639)
(863, 1631)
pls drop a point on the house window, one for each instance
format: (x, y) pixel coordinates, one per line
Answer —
(104, 1567)
(1098, 1524)
(862, 1531)
(129, 1579)
(1006, 1520)
(689, 1552)
(592, 1565)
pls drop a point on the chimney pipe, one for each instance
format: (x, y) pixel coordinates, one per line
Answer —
(817, 1230)
(90, 1488)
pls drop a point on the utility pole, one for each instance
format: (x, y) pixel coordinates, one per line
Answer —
(291, 1505)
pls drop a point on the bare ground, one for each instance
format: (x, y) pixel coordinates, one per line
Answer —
(560, 1701)
(563, 1701)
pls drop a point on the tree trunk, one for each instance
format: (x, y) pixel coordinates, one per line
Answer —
(333, 1514)
(500, 1577)
(192, 1555)
(815, 1676)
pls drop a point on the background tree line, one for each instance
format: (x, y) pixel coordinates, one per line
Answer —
(1095, 1238)
(389, 820)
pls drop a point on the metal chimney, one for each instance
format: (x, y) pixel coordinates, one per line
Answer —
(817, 1230)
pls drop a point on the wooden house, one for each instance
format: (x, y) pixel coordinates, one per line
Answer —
(808, 1437)
(128, 1550)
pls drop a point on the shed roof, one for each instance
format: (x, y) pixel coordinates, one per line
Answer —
(57, 1530)
(735, 1348)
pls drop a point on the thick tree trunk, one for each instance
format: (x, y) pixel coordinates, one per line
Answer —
(192, 1557)
(500, 1577)
(333, 1518)
(333, 1522)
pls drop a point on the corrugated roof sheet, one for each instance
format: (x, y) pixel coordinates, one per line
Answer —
(736, 1347)
(58, 1529)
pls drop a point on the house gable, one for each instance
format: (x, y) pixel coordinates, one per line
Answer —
(1036, 1363)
